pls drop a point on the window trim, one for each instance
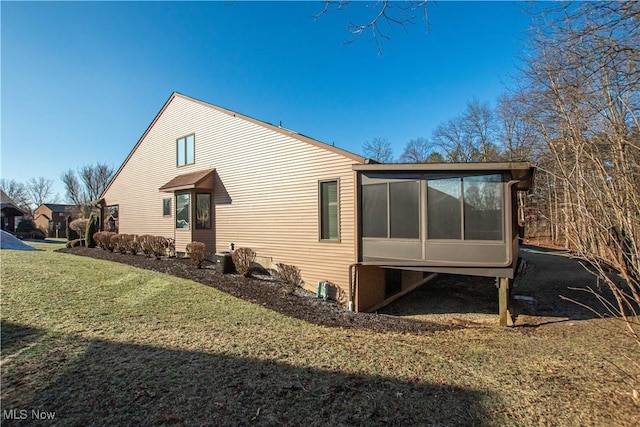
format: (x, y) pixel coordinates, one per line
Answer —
(185, 150)
(320, 182)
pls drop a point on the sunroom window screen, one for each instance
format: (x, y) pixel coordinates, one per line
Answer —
(483, 207)
(374, 210)
(444, 208)
(404, 210)
(472, 203)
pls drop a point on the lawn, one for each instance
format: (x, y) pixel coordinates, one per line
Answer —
(103, 343)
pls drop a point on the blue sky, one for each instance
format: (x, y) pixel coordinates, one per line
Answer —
(82, 81)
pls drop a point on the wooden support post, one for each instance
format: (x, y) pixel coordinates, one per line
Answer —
(503, 302)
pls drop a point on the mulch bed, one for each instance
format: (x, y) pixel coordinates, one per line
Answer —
(268, 293)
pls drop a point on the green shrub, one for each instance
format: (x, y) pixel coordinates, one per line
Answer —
(243, 259)
(290, 277)
(25, 226)
(75, 243)
(196, 253)
(92, 228)
(71, 235)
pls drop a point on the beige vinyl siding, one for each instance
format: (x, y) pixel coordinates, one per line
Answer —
(266, 194)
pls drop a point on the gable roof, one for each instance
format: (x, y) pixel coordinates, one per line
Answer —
(7, 204)
(265, 125)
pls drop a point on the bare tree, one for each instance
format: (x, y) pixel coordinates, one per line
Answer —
(378, 149)
(417, 150)
(95, 179)
(479, 125)
(584, 89)
(517, 132)
(16, 192)
(40, 190)
(75, 192)
(452, 139)
(92, 181)
(470, 136)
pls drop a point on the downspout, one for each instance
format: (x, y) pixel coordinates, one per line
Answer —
(509, 215)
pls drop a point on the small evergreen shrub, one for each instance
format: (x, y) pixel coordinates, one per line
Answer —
(290, 277)
(243, 259)
(75, 243)
(92, 228)
(71, 234)
(196, 253)
(25, 226)
(26, 229)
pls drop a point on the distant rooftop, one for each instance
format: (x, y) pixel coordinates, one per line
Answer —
(57, 207)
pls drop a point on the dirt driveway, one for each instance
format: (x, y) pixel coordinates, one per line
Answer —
(468, 300)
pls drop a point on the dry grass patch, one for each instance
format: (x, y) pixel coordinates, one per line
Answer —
(111, 344)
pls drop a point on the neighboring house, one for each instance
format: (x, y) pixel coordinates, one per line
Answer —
(204, 173)
(9, 210)
(51, 218)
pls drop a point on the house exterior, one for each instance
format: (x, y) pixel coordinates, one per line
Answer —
(204, 173)
(9, 210)
(51, 218)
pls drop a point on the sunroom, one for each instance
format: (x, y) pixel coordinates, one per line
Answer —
(435, 218)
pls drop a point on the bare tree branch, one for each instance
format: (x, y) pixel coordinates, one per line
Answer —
(40, 190)
(378, 149)
(387, 15)
(92, 181)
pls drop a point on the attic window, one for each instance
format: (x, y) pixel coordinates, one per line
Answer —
(185, 150)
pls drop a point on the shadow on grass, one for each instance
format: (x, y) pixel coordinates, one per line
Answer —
(123, 384)
(14, 337)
